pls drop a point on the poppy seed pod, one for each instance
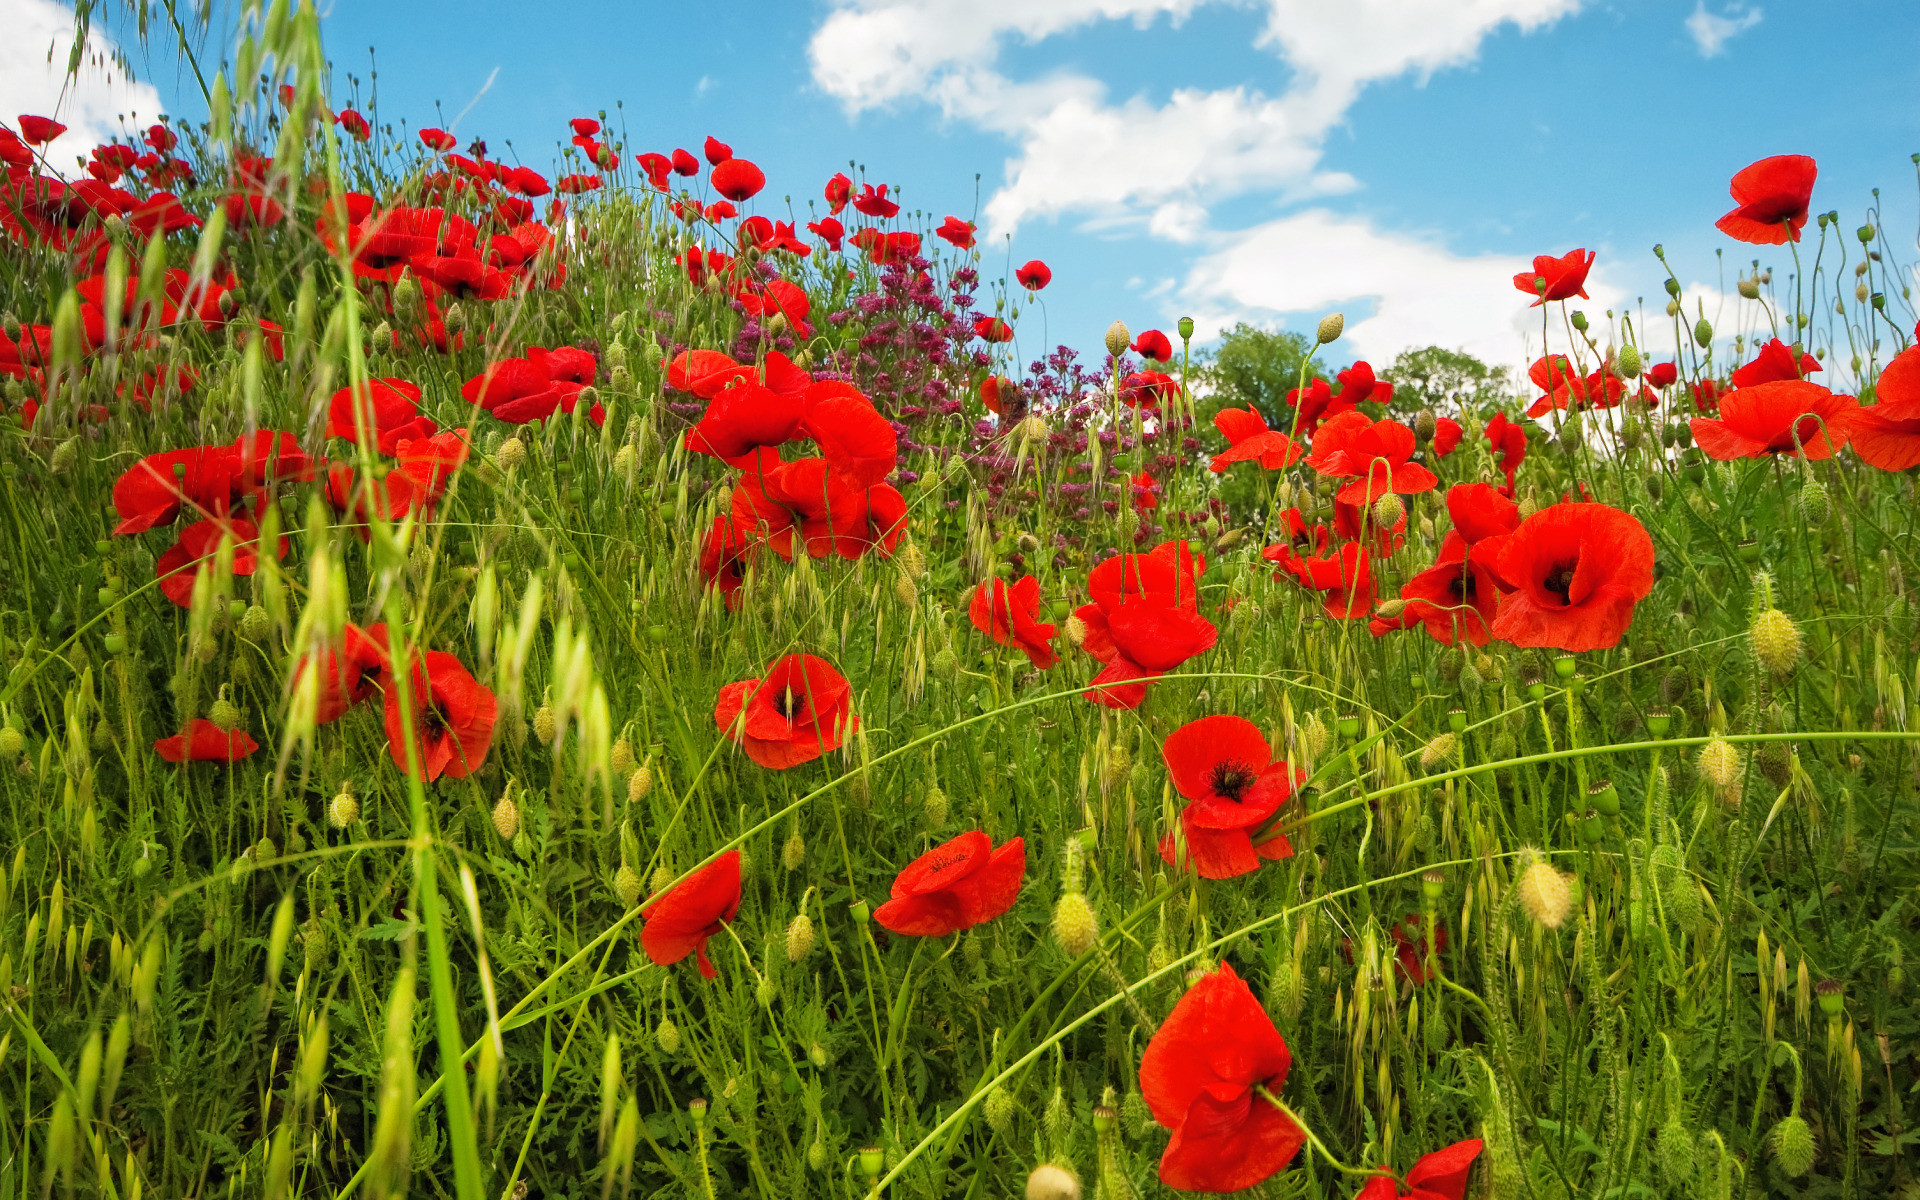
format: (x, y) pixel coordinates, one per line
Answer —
(1119, 337)
(1544, 894)
(1776, 641)
(1185, 326)
(1331, 327)
(1049, 1182)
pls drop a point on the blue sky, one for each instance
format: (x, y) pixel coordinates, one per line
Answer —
(1263, 160)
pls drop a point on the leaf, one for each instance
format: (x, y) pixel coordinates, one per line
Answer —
(389, 931)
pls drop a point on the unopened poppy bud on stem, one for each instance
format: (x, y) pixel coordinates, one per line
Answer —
(1049, 1182)
(799, 938)
(1544, 894)
(1776, 641)
(1331, 327)
(1074, 925)
(1119, 337)
(506, 818)
(1719, 763)
(344, 810)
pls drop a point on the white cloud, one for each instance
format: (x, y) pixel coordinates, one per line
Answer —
(1080, 152)
(33, 62)
(1420, 293)
(1712, 31)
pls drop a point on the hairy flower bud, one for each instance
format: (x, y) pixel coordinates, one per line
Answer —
(506, 818)
(1119, 337)
(224, 712)
(544, 725)
(998, 1108)
(511, 453)
(668, 1035)
(1076, 629)
(1331, 327)
(1815, 504)
(799, 938)
(1074, 925)
(793, 852)
(1776, 641)
(1719, 763)
(639, 783)
(626, 885)
(1545, 895)
(620, 758)
(1049, 1182)
(1703, 333)
(343, 810)
(1438, 751)
(1627, 362)
(1749, 288)
(1792, 1143)
(934, 805)
(1389, 510)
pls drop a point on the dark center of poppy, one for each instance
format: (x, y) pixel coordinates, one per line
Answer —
(1232, 779)
(1461, 586)
(790, 704)
(433, 720)
(1559, 580)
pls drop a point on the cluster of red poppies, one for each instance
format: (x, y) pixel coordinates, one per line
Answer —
(41, 209)
(836, 502)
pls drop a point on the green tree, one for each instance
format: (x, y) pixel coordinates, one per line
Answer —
(1250, 368)
(1446, 381)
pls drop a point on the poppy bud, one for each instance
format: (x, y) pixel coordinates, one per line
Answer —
(506, 818)
(905, 590)
(945, 663)
(1049, 1182)
(1776, 641)
(1185, 326)
(1544, 894)
(1438, 751)
(1673, 1150)
(12, 742)
(639, 783)
(511, 453)
(1076, 630)
(1719, 763)
(998, 1109)
(1860, 292)
(544, 725)
(255, 623)
(1864, 233)
(1673, 308)
(817, 1155)
(799, 938)
(1033, 430)
(668, 1035)
(934, 807)
(224, 712)
(626, 885)
(343, 810)
(1074, 925)
(64, 456)
(1119, 337)
(1579, 320)
(1703, 333)
(1331, 327)
(793, 851)
(1749, 288)
(1814, 503)
(1425, 425)
(1389, 510)
(1627, 362)
(1792, 1143)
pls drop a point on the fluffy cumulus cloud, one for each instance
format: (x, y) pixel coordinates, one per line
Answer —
(1158, 164)
(1711, 31)
(33, 79)
(1418, 293)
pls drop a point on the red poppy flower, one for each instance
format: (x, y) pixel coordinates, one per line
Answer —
(1441, 1175)
(679, 921)
(354, 124)
(954, 886)
(584, 126)
(737, 179)
(533, 387)
(1006, 614)
(956, 231)
(838, 190)
(1887, 435)
(437, 140)
(1662, 375)
(885, 248)
(744, 418)
(1033, 275)
(1773, 195)
(1411, 947)
(778, 297)
(1791, 417)
(347, 673)
(725, 557)
(1459, 595)
(1775, 361)
(828, 230)
(1556, 278)
(873, 202)
(1573, 573)
(1144, 620)
(394, 406)
(1509, 442)
(1359, 385)
(577, 184)
(1201, 1077)
(1372, 454)
(154, 490)
(684, 163)
(1313, 404)
(453, 717)
(716, 151)
(1565, 387)
(1447, 433)
(1344, 573)
(1226, 770)
(38, 131)
(1146, 492)
(801, 710)
(1146, 389)
(992, 329)
(656, 167)
(161, 213)
(1154, 345)
(197, 547)
(203, 741)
